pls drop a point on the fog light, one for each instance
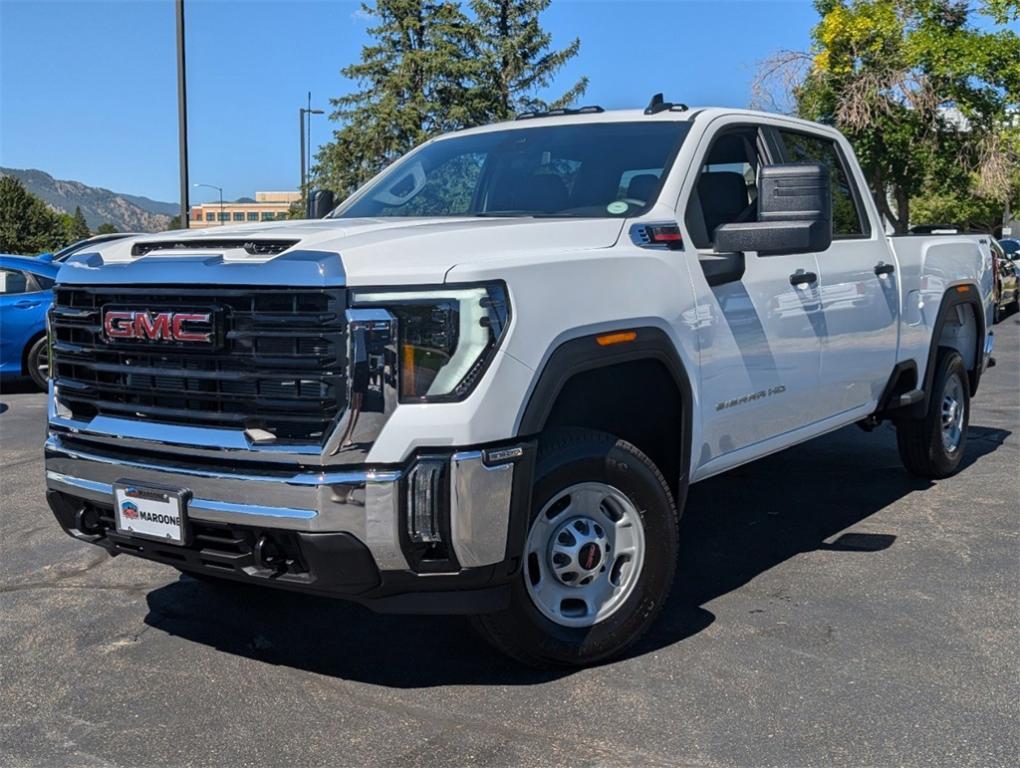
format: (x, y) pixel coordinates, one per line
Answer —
(425, 495)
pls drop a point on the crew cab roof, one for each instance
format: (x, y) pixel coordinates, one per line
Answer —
(638, 115)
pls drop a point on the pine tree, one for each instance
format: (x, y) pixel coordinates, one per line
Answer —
(27, 225)
(515, 59)
(79, 227)
(415, 82)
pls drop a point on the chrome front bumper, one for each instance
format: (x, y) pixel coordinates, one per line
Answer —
(364, 502)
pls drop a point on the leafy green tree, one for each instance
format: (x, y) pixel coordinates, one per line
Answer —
(414, 82)
(926, 96)
(174, 223)
(432, 69)
(79, 228)
(967, 211)
(27, 225)
(106, 228)
(515, 59)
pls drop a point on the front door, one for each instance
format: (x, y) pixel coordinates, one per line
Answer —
(761, 345)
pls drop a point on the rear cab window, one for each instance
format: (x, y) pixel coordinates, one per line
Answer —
(848, 217)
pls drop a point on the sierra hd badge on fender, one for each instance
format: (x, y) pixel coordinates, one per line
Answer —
(166, 326)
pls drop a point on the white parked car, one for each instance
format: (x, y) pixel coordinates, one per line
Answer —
(484, 382)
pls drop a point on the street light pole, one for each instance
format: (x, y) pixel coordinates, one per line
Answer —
(182, 115)
(305, 128)
(220, 190)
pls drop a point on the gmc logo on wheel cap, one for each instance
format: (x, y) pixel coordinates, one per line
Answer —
(169, 326)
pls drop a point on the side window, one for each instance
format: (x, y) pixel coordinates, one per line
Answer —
(847, 218)
(12, 281)
(44, 283)
(726, 189)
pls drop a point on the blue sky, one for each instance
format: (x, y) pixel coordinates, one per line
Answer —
(88, 89)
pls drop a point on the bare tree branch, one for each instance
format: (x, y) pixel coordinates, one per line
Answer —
(773, 88)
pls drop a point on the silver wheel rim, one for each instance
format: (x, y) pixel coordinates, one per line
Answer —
(952, 414)
(43, 365)
(584, 554)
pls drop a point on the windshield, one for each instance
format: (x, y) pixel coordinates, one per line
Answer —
(584, 170)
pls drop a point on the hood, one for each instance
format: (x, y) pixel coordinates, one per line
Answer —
(384, 251)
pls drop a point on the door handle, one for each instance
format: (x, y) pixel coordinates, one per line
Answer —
(800, 277)
(884, 269)
(26, 304)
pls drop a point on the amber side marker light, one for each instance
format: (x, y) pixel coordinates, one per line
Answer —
(622, 337)
(962, 288)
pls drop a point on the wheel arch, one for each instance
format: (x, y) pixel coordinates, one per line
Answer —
(587, 384)
(960, 325)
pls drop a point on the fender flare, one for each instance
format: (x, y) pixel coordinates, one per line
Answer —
(584, 353)
(953, 298)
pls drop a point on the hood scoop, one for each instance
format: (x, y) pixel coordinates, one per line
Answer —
(250, 246)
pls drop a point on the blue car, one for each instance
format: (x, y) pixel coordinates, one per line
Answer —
(25, 296)
(65, 253)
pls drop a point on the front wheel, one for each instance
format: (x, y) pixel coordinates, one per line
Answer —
(933, 446)
(600, 555)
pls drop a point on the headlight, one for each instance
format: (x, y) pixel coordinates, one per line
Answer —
(446, 336)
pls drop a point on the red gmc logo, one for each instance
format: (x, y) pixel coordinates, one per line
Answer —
(158, 326)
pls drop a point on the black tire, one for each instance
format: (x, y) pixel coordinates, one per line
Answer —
(565, 458)
(920, 441)
(37, 357)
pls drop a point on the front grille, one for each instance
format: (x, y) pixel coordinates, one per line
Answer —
(280, 367)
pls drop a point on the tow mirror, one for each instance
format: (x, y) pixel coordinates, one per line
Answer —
(320, 203)
(794, 214)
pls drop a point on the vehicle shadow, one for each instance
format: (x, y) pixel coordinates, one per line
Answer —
(735, 527)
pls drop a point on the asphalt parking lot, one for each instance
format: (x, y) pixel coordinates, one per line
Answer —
(829, 610)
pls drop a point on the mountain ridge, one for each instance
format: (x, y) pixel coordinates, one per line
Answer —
(128, 213)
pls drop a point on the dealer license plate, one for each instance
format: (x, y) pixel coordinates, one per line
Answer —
(150, 513)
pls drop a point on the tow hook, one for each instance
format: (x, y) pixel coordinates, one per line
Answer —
(86, 520)
(267, 555)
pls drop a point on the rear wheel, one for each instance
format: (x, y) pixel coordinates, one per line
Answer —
(933, 446)
(600, 555)
(38, 362)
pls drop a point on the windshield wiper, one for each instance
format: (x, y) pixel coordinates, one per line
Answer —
(505, 214)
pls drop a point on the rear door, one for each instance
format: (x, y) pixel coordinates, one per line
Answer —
(858, 285)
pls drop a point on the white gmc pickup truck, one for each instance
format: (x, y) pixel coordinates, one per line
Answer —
(483, 383)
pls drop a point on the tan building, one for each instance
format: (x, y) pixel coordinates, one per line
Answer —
(268, 206)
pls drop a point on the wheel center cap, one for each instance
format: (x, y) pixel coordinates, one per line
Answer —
(577, 552)
(589, 556)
